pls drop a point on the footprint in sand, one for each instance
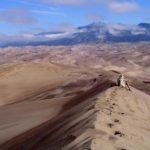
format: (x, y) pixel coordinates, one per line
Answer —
(111, 107)
(116, 121)
(107, 100)
(110, 125)
(121, 149)
(113, 104)
(121, 113)
(118, 133)
(112, 138)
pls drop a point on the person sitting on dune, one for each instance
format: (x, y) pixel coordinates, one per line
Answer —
(122, 82)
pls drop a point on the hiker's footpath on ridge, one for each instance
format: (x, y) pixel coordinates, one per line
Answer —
(122, 122)
(115, 119)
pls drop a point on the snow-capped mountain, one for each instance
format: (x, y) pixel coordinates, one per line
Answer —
(92, 33)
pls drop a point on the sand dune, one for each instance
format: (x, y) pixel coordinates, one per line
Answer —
(71, 105)
(34, 93)
(124, 120)
(112, 119)
(21, 81)
(20, 117)
(131, 59)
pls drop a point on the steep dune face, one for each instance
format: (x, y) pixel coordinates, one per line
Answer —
(36, 93)
(25, 80)
(122, 123)
(114, 119)
(70, 112)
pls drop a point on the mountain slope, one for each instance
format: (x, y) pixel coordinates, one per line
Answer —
(92, 33)
(115, 119)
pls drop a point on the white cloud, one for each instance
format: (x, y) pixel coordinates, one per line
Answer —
(116, 29)
(118, 6)
(49, 12)
(94, 17)
(123, 7)
(73, 2)
(66, 2)
(64, 27)
(17, 16)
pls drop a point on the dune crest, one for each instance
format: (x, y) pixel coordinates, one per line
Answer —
(112, 119)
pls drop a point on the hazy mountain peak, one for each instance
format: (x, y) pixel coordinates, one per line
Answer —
(144, 25)
(94, 32)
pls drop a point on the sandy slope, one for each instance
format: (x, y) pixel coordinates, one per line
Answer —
(122, 123)
(115, 119)
(124, 119)
(50, 106)
(56, 107)
(19, 82)
(33, 93)
(132, 59)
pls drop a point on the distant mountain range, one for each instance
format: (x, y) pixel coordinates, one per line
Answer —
(92, 33)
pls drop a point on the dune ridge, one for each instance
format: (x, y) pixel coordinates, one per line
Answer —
(50, 106)
(110, 119)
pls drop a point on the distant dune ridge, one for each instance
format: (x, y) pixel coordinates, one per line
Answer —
(131, 59)
(65, 98)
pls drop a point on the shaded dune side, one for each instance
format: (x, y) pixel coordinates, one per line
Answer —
(77, 116)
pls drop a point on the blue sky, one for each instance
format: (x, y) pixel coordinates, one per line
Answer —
(33, 16)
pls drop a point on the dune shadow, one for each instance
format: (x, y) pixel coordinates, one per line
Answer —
(34, 138)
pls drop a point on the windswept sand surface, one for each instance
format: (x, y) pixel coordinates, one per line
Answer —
(33, 93)
(21, 81)
(114, 119)
(131, 59)
(123, 119)
(24, 80)
(18, 118)
(60, 98)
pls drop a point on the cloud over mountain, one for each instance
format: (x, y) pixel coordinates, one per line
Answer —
(118, 6)
(17, 16)
(66, 34)
(123, 7)
(95, 17)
